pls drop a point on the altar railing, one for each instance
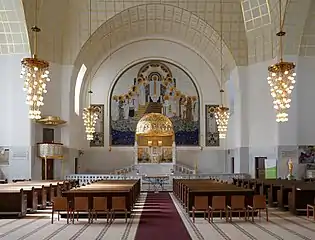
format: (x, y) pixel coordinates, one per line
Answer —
(221, 176)
(182, 169)
(88, 178)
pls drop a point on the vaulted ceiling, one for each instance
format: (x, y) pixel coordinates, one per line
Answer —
(249, 26)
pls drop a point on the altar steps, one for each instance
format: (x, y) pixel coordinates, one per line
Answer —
(141, 111)
(154, 107)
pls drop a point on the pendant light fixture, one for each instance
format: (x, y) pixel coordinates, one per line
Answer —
(281, 77)
(90, 113)
(36, 75)
(221, 112)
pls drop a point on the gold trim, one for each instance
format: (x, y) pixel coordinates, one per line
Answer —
(51, 121)
(281, 67)
(35, 62)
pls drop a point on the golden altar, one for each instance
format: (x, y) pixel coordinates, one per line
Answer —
(154, 140)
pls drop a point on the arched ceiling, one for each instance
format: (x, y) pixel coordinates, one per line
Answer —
(65, 25)
(188, 12)
(147, 21)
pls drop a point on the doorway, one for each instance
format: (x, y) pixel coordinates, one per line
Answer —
(48, 137)
(232, 165)
(75, 165)
(260, 167)
(50, 169)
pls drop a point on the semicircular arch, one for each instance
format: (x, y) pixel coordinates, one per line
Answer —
(144, 21)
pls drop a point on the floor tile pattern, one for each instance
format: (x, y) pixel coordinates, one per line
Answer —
(282, 225)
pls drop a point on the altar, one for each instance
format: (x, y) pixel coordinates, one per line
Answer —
(154, 148)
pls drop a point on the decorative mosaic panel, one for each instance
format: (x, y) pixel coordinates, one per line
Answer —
(98, 140)
(154, 86)
(306, 154)
(212, 134)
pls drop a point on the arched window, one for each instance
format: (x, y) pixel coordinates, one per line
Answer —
(77, 89)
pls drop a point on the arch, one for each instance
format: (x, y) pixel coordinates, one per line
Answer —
(95, 69)
(176, 115)
(136, 22)
(144, 60)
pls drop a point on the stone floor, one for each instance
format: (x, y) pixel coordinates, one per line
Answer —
(282, 225)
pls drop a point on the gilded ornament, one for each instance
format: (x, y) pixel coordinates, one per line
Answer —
(154, 124)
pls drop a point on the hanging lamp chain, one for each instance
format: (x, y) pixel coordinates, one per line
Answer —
(281, 32)
(35, 29)
(221, 52)
(90, 42)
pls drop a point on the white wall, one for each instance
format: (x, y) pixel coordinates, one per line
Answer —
(305, 99)
(265, 136)
(253, 130)
(56, 103)
(101, 159)
(15, 127)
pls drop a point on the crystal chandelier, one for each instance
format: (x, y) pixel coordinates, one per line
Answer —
(281, 81)
(281, 78)
(36, 75)
(222, 116)
(90, 113)
(90, 117)
(221, 112)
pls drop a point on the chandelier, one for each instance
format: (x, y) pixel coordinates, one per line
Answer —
(281, 81)
(222, 116)
(281, 78)
(221, 112)
(90, 117)
(90, 114)
(36, 75)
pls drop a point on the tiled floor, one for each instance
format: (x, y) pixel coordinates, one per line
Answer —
(282, 225)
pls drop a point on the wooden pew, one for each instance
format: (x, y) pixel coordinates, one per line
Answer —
(299, 197)
(130, 189)
(29, 191)
(286, 188)
(187, 190)
(13, 202)
(273, 188)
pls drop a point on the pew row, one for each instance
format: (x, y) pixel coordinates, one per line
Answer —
(120, 195)
(292, 195)
(200, 195)
(36, 195)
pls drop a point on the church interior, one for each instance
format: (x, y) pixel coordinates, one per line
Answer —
(129, 119)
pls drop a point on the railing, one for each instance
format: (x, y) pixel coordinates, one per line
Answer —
(88, 178)
(182, 169)
(125, 170)
(221, 176)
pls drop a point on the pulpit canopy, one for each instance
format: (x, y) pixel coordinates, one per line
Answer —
(154, 125)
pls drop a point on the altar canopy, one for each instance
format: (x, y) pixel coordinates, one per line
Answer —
(155, 139)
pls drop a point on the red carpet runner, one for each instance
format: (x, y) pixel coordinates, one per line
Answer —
(160, 220)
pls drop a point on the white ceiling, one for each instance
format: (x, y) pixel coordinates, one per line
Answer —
(65, 26)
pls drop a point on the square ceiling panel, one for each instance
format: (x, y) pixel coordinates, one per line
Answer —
(256, 14)
(13, 34)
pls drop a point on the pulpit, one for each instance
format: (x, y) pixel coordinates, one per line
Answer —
(50, 151)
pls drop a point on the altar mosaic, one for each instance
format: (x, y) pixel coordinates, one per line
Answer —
(154, 86)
